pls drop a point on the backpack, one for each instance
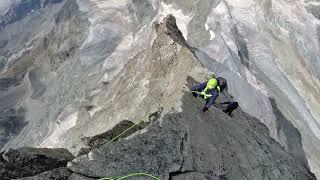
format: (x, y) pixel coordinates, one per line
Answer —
(222, 83)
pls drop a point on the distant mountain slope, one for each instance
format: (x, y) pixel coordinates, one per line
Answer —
(20, 9)
(74, 69)
(4, 5)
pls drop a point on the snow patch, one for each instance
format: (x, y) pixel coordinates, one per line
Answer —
(92, 74)
(312, 3)
(252, 80)
(66, 120)
(139, 37)
(241, 3)
(221, 9)
(182, 20)
(110, 3)
(13, 58)
(95, 91)
(104, 79)
(154, 4)
(99, 14)
(116, 59)
(229, 42)
(143, 91)
(212, 35)
(125, 45)
(94, 110)
(206, 26)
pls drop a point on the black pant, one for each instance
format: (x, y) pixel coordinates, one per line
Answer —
(231, 107)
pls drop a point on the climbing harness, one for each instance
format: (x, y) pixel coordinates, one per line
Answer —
(203, 94)
(134, 174)
(212, 83)
(131, 175)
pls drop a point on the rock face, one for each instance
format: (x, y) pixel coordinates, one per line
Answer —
(30, 161)
(74, 69)
(57, 174)
(194, 145)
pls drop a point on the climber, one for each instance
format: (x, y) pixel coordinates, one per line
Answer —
(209, 90)
(232, 105)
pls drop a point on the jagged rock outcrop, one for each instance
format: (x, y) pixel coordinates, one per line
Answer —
(25, 162)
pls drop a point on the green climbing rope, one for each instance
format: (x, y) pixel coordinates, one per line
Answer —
(122, 133)
(132, 175)
(106, 178)
(138, 174)
(142, 119)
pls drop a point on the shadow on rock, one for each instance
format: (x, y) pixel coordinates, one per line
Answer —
(291, 133)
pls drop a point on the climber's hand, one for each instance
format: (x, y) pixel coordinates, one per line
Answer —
(205, 109)
(195, 94)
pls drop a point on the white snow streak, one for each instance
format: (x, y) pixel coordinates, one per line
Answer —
(66, 120)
